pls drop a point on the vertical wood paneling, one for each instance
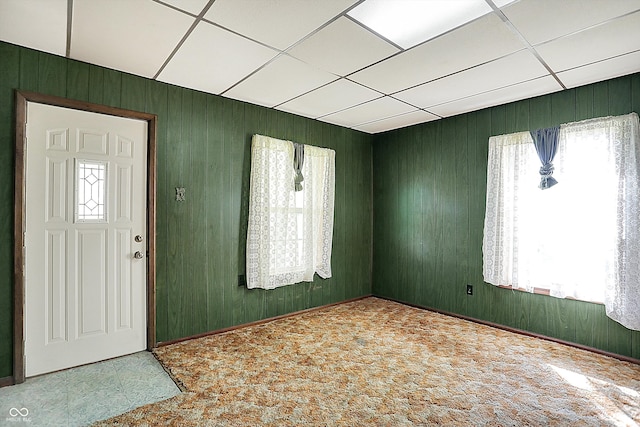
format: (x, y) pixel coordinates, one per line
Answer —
(402, 220)
(416, 206)
(203, 145)
(342, 193)
(601, 99)
(112, 87)
(351, 215)
(476, 222)
(96, 84)
(585, 328)
(29, 70)
(366, 215)
(428, 292)
(439, 202)
(618, 338)
(52, 75)
(584, 102)
(379, 277)
(214, 217)
(234, 140)
(133, 92)
(563, 107)
(185, 296)
(78, 80)
(157, 100)
(483, 131)
(197, 273)
(9, 80)
(173, 255)
(461, 214)
(619, 96)
(449, 207)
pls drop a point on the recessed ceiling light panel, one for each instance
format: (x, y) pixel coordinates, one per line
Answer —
(410, 22)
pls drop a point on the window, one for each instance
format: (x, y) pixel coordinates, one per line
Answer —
(579, 238)
(91, 182)
(289, 235)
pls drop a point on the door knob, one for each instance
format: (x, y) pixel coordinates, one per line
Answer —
(138, 255)
(138, 238)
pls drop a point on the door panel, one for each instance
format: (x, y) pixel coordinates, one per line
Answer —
(56, 269)
(85, 292)
(91, 282)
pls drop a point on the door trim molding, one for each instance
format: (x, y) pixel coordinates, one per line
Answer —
(22, 97)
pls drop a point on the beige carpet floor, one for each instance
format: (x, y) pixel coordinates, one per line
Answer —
(377, 363)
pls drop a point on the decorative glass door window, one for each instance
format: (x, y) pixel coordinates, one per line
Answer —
(91, 190)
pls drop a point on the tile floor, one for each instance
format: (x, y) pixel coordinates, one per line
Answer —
(83, 395)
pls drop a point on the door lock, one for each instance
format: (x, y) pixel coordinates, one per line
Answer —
(138, 238)
(138, 255)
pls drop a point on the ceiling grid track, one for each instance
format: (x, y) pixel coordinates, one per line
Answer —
(69, 25)
(184, 38)
(340, 61)
(528, 45)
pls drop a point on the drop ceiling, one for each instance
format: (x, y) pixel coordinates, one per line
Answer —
(325, 60)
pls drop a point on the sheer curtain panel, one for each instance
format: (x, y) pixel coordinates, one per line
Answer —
(579, 239)
(290, 233)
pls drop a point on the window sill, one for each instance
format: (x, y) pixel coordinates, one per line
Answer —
(544, 291)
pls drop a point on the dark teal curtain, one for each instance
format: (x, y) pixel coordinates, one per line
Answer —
(546, 143)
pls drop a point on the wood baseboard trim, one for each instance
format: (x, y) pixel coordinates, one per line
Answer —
(519, 331)
(259, 322)
(6, 381)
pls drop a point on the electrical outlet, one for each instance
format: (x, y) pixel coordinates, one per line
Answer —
(469, 289)
(242, 281)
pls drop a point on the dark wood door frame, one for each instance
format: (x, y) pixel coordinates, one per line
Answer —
(22, 97)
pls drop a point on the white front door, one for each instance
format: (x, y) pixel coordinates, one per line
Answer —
(85, 242)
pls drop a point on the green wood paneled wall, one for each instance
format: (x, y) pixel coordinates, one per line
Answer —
(204, 146)
(429, 199)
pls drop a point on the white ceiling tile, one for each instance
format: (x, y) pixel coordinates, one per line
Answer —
(529, 89)
(191, 6)
(278, 23)
(598, 43)
(502, 3)
(396, 122)
(409, 22)
(212, 60)
(343, 47)
(135, 36)
(609, 69)
(279, 81)
(35, 24)
(377, 109)
(481, 64)
(515, 68)
(328, 99)
(543, 20)
(480, 41)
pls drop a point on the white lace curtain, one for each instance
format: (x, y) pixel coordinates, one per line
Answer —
(581, 238)
(290, 233)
